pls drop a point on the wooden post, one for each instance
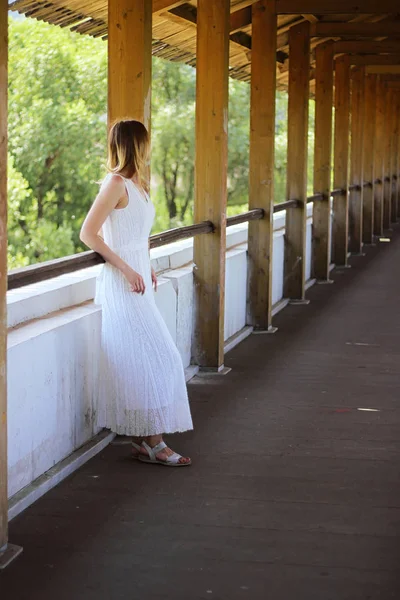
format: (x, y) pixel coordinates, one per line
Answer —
(378, 157)
(262, 161)
(129, 60)
(341, 161)
(7, 551)
(387, 187)
(3, 274)
(213, 22)
(369, 155)
(322, 161)
(296, 218)
(397, 164)
(357, 160)
(393, 157)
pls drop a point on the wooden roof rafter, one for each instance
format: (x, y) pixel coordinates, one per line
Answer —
(372, 27)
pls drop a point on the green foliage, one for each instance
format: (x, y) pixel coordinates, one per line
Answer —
(173, 112)
(57, 140)
(31, 240)
(281, 142)
(57, 128)
(238, 144)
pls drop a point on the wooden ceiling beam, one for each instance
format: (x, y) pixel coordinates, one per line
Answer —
(367, 47)
(379, 29)
(160, 6)
(240, 19)
(391, 79)
(242, 4)
(375, 59)
(383, 69)
(188, 15)
(332, 7)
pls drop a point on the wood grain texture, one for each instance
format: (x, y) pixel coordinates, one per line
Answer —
(378, 156)
(3, 271)
(129, 60)
(332, 7)
(369, 155)
(377, 60)
(321, 244)
(262, 161)
(367, 47)
(357, 160)
(393, 157)
(379, 29)
(387, 186)
(296, 218)
(211, 178)
(397, 165)
(341, 161)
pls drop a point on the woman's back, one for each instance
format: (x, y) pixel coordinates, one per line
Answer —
(129, 226)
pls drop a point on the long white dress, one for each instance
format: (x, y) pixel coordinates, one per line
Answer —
(142, 388)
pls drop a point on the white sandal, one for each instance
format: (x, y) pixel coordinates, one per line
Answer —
(172, 461)
(137, 447)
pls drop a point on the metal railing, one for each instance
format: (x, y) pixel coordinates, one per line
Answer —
(60, 266)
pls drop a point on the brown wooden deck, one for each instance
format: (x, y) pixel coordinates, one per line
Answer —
(294, 492)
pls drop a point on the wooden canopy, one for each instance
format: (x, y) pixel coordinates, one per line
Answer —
(174, 28)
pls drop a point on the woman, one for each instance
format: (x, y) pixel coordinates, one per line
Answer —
(142, 391)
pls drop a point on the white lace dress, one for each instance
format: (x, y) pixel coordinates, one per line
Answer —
(142, 389)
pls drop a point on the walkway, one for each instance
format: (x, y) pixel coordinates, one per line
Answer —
(294, 493)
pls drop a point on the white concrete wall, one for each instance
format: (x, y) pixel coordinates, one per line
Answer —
(54, 340)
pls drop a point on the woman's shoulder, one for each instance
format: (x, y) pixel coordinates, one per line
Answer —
(113, 181)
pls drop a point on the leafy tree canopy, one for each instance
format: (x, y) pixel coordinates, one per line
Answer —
(57, 140)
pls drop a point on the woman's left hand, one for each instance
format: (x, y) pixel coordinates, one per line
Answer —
(154, 279)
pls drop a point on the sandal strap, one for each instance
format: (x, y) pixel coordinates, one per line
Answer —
(174, 458)
(136, 446)
(152, 452)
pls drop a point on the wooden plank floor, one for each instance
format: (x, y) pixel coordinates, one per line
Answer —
(294, 492)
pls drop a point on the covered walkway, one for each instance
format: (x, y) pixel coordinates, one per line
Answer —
(294, 492)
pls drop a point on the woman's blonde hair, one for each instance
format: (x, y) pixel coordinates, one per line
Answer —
(128, 150)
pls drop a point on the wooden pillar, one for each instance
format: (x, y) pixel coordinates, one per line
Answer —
(3, 275)
(322, 161)
(369, 155)
(296, 218)
(393, 157)
(129, 60)
(7, 551)
(262, 160)
(378, 157)
(212, 64)
(356, 160)
(387, 187)
(397, 165)
(341, 161)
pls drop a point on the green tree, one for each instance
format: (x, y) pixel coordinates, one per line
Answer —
(57, 129)
(57, 140)
(173, 140)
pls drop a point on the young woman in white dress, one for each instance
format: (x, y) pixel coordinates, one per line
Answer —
(142, 388)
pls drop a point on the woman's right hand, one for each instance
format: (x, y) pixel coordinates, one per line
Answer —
(135, 281)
